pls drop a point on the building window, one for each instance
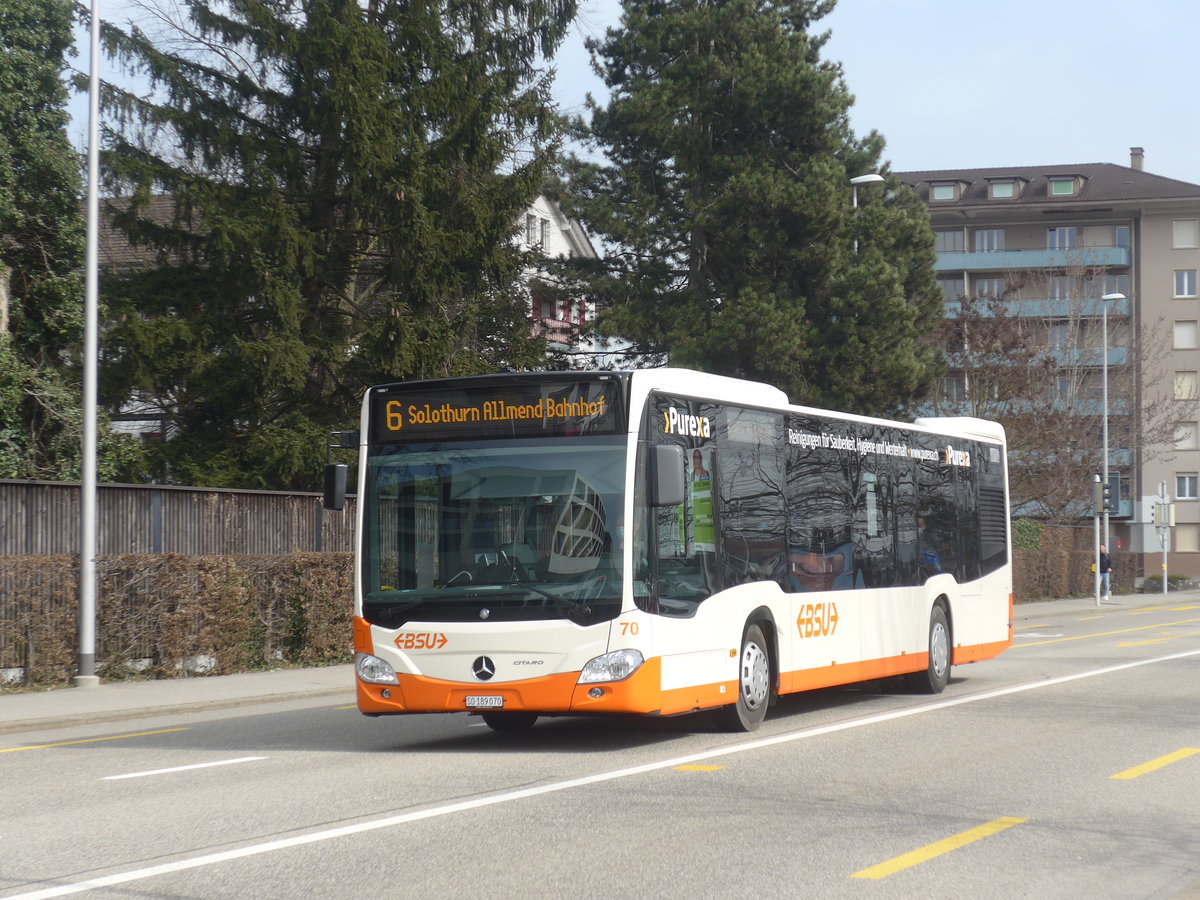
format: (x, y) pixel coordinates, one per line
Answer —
(1185, 334)
(1185, 282)
(531, 230)
(1187, 436)
(1062, 287)
(1186, 386)
(1062, 187)
(953, 389)
(943, 191)
(1121, 236)
(1095, 288)
(952, 288)
(950, 241)
(989, 288)
(1187, 486)
(1185, 234)
(989, 239)
(1187, 538)
(1002, 190)
(543, 233)
(1063, 238)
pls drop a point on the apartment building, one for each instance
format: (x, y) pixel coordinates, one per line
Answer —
(1049, 242)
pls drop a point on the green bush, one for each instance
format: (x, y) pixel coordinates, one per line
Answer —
(1026, 534)
(169, 615)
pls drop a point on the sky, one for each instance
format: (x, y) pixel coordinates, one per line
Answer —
(955, 85)
(971, 85)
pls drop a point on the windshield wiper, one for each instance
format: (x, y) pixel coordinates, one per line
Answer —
(563, 602)
(379, 613)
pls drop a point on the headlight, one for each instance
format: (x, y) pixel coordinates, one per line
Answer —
(615, 666)
(374, 670)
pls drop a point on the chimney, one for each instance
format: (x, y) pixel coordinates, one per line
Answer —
(1137, 158)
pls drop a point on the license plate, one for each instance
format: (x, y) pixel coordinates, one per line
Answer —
(485, 702)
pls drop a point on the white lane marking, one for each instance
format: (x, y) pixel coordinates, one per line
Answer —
(207, 765)
(481, 802)
(1037, 634)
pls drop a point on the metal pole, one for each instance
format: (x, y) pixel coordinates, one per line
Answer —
(86, 675)
(1104, 403)
(854, 206)
(1164, 530)
(1098, 496)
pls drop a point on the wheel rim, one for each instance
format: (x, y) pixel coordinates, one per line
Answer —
(755, 675)
(939, 649)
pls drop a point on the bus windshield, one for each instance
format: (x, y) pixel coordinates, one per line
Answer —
(504, 530)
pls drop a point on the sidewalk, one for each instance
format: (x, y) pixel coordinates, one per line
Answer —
(32, 710)
(128, 700)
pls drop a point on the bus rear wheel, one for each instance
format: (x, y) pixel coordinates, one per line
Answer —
(509, 721)
(937, 673)
(754, 685)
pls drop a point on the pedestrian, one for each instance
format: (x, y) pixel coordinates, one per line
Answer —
(1105, 573)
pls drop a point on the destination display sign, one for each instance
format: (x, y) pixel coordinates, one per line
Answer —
(491, 409)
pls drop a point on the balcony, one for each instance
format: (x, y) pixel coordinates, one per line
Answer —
(1047, 309)
(1003, 260)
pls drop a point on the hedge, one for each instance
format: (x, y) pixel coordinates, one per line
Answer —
(171, 615)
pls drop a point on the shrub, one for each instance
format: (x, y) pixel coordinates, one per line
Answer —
(158, 614)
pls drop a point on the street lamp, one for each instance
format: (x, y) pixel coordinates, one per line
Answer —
(1104, 301)
(872, 178)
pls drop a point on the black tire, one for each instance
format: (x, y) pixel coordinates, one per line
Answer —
(509, 721)
(754, 685)
(937, 674)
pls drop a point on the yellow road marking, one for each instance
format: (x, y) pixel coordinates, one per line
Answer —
(1144, 768)
(928, 852)
(1080, 637)
(698, 768)
(1166, 636)
(115, 737)
(351, 706)
(1024, 627)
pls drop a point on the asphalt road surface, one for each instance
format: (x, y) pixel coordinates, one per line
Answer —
(1068, 767)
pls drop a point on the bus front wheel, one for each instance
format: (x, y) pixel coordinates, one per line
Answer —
(937, 673)
(753, 684)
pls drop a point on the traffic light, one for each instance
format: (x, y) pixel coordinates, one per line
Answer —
(1107, 499)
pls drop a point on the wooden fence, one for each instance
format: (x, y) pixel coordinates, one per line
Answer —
(41, 518)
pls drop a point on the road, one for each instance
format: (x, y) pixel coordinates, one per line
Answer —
(1068, 767)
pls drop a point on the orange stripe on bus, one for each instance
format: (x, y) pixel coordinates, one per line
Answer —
(362, 636)
(641, 693)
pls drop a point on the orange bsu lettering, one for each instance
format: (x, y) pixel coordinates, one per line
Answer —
(420, 641)
(817, 620)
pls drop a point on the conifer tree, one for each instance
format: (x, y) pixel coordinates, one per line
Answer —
(41, 253)
(724, 199)
(343, 179)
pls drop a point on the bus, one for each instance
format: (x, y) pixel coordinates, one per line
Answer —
(663, 542)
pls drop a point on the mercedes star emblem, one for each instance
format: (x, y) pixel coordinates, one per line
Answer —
(483, 668)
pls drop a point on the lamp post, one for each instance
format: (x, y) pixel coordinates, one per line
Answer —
(1104, 301)
(872, 178)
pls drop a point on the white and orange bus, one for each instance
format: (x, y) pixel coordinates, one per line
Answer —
(663, 542)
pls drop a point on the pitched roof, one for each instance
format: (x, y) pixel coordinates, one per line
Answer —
(1100, 182)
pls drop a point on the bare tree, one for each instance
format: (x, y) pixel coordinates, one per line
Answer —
(1026, 350)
